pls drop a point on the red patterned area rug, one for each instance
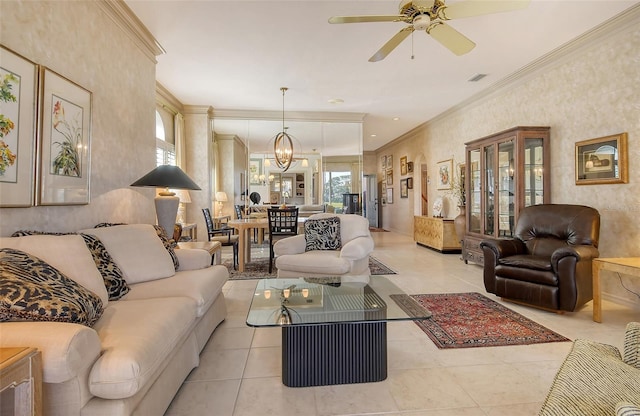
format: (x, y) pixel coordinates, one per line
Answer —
(464, 320)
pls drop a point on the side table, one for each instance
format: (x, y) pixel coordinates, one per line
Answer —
(213, 247)
(624, 265)
(20, 381)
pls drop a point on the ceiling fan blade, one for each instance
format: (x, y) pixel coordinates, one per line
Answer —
(450, 38)
(391, 44)
(366, 19)
(472, 8)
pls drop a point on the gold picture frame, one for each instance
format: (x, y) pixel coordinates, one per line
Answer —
(603, 160)
(403, 165)
(444, 174)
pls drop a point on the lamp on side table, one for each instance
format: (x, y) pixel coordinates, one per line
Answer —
(167, 176)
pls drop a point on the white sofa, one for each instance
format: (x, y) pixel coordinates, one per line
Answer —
(136, 356)
(352, 259)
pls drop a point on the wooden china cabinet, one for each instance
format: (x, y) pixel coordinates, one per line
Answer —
(505, 172)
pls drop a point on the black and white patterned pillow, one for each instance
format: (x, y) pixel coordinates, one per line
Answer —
(322, 234)
(112, 276)
(23, 233)
(33, 290)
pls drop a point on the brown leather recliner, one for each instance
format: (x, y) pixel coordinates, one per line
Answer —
(548, 263)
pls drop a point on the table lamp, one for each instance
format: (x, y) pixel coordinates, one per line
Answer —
(220, 198)
(167, 176)
(185, 198)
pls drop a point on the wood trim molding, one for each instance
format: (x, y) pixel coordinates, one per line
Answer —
(124, 17)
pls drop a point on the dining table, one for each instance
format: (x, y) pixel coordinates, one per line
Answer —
(244, 227)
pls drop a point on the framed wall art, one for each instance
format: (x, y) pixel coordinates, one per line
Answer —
(65, 141)
(383, 162)
(389, 177)
(255, 170)
(389, 161)
(403, 165)
(410, 183)
(18, 93)
(389, 195)
(602, 160)
(445, 169)
(404, 188)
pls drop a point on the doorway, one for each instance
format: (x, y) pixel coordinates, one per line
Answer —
(370, 199)
(424, 181)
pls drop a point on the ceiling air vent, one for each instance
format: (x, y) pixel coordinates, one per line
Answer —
(477, 77)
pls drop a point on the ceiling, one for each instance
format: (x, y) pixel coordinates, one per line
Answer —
(235, 56)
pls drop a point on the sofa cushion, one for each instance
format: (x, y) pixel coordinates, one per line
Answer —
(111, 274)
(137, 250)
(202, 285)
(351, 225)
(67, 253)
(322, 234)
(319, 262)
(33, 290)
(137, 338)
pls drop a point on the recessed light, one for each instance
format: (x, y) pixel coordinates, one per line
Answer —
(336, 101)
(396, 118)
(374, 135)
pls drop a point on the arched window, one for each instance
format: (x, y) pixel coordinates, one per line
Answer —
(165, 149)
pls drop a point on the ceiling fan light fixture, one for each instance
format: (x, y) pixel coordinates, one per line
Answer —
(421, 22)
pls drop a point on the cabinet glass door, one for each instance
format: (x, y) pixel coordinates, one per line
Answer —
(474, 191)
(506, 189)
(533, 171)
(489, 190)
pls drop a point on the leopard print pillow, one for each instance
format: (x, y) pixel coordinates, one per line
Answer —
(33, 290)
(168, 245)
(113, 278)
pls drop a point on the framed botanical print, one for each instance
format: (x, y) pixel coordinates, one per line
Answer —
(389, 177)
(389, 195)
(65, 141)
(404, 188)
(445, 170)
(18, 94)
(255, 170)
(403, 165)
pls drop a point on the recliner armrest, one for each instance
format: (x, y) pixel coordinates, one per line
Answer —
(504, 247)
(579, 252)
(357, 249)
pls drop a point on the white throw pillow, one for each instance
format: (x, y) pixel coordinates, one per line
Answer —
(137, 250)
(67, 253)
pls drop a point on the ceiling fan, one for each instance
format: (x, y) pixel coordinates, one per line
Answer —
(430, 16)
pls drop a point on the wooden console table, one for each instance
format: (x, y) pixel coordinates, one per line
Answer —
(20, 381)
(624, 265)
(436, 233)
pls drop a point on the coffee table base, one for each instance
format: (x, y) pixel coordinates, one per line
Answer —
(337, 353)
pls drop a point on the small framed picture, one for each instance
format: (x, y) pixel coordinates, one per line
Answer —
(389, 161)
(383, 162)
(389, 177)
(404, 188)
(403, 165)
(602, 160)
(389, 195)
(410, 183)
(445, 169)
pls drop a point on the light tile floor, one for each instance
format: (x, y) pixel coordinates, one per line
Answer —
(239, 372)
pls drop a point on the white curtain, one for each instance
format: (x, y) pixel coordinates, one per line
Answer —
(181, 150)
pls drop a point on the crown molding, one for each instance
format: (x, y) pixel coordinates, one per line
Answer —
(122, 15)
(329, 117)
(625, 21)
(198, 109)
(168, 100)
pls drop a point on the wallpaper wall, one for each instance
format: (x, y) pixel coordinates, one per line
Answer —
(593, 93)
(80, 42)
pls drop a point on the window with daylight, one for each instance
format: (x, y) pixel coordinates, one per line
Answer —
(165, 147)
(336, 184)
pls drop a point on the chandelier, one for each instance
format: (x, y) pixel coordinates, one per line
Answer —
(283, 145)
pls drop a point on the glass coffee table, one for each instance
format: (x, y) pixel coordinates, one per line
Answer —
(334, 330)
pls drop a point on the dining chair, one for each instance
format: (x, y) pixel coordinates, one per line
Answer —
(224, 235)
(283, 222)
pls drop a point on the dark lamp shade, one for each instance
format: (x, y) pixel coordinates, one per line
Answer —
(167, 176)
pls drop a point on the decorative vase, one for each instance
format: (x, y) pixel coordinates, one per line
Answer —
(460, 222)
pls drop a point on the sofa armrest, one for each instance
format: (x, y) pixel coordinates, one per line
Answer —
(66, 348)
(358, 248)
(632, 344)
(193, 258)
(290, 245)
(504, 247)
